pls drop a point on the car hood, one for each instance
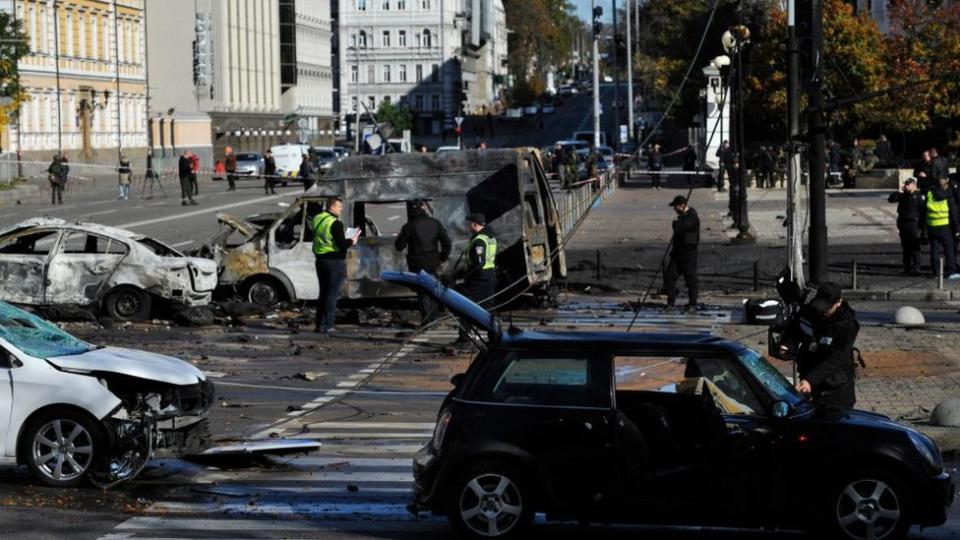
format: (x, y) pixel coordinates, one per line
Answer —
(858, 418)
(459, 305)
(247, 229)
(133, 363)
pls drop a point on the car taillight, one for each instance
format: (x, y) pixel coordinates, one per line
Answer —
(440, 431)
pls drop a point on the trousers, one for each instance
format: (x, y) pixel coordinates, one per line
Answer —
(682, 263)
(331, 273)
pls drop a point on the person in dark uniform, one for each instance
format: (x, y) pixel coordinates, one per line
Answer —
(655, 165)
(910, 204)
(478, 274)
(269, 173)
(428, 246)
(683, 252)
(330, 246)
(821, 338)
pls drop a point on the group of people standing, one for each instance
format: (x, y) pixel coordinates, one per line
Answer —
(928, 212)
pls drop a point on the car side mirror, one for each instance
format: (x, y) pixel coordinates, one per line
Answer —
(780, 409)
(457, 379)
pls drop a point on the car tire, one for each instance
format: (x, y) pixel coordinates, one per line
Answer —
(62, 447)
(264, 292)
(868, 500)
(491, 499)
(128, 304)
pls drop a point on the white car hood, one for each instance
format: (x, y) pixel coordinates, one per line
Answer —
(141, 364)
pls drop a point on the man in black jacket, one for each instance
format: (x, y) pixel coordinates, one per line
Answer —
(683, 252)
(185, 170)
(821, 338)
(910, 204)
(269, 173)
(428, 246)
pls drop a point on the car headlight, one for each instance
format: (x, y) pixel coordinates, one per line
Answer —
(927, 449)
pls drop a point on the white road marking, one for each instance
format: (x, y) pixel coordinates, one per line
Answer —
(202, 211)
(181, 244)
(101, 213)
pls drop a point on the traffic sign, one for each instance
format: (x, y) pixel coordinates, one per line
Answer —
(458, 120)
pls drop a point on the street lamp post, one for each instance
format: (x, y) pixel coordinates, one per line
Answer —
(735, 40)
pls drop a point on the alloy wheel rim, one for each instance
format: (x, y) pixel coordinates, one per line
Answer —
(491, 505)
(868, 509)
(62, 450)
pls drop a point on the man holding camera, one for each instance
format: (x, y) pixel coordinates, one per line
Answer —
(821, 338)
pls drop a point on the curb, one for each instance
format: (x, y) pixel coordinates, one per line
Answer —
(18, 193)
(905, 295)
(947, 438)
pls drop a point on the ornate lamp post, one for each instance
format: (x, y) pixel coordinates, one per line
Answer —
(85, 110)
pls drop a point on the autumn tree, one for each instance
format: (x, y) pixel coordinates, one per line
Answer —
(13, 47)
(541, 38)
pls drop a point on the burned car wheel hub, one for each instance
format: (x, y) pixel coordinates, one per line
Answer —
(490, 505)
(128, 304)
(62, 450)
(868, 509)
(263, 294)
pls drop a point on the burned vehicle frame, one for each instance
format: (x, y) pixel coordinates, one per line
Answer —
(74, 412)
(52, 262)
(273, 261)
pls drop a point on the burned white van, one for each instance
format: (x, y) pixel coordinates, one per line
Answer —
(270, 258)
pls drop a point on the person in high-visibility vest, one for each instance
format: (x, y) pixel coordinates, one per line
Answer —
(330, 246)
(942, 227)
(479, 277)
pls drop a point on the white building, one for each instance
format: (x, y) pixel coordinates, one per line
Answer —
(419, 54)
(308, 85)
(99, 102)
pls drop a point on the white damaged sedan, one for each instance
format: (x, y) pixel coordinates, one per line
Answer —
(74, 412)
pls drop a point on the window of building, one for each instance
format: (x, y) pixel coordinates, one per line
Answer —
(418, 102)
(361, 5)
(424, 4)
(404, 104)
(402, 38)
(419, 73)
(435, 102)
(402, 72)
(371, 73)
(386, 5)
(363, 39)
(354, 74)
(385, 42)
(426, 38)
(372, 102)
(386, 73)
(401, 4)
(387, 99)
(435, 73)
(353, 103)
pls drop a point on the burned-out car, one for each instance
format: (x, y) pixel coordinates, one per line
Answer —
(74, 412)
(674, 429)
(272, 260)
(47, 261)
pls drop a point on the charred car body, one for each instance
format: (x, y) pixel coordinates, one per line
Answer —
(272, 259)
(48, 261)
(73, 412)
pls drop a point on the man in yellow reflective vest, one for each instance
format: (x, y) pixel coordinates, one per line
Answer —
(479, 277)
(942, 228)
(330, 246)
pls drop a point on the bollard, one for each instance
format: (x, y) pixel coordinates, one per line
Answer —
(598, 265)
(853, 265)
(940, 274)
(756, 275)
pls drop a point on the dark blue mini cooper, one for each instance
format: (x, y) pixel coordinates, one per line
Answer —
(682, 429)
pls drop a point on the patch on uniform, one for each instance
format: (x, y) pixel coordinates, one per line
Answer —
(826, 341)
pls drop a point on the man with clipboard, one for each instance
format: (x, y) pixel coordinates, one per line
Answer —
(330, 244)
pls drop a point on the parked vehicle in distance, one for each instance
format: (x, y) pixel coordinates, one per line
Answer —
(607, 79)
(325, 158)
(549, 108)
(607, 154)
(76, 412)
(341, 151)
(567, 90)
(675, 429)
(288, 158)
(587, 137)
(249, 164)
(515, 112)
(531, 110)
(445, 149)
(49, 261)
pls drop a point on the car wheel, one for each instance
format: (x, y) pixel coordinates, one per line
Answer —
(62, 447)
(869, 505)
(264, 292)
(490, 500)
(128, 304)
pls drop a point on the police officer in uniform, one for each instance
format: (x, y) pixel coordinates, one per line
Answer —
(428, 246)
(330, 247)
(910, 203)
(683, 252)
(479, 276)
(821, 338)
(942, 226)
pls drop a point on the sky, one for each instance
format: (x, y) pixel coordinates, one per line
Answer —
(583, 8)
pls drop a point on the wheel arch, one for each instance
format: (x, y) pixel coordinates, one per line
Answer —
(511, 455)
(22, 451)
(275, 276)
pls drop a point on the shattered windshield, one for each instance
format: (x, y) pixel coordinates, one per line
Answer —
(772, 380)
(37, 337)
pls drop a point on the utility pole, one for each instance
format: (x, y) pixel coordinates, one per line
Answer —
(116, 63)
(597, 27)
(616, 81)
(56, 46)
(356, 104)
(742, 37)
(817, 151)
(629, 75)
(794, 234)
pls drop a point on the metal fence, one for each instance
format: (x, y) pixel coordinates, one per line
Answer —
(574, 203)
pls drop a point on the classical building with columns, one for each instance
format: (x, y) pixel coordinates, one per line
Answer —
(86, 79)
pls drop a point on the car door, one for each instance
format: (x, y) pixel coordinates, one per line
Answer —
(290, 248)
(80, 267)
(23, 261)
(6, 396)
(555, 408)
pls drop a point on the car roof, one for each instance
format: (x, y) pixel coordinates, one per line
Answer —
(567, 340)
(56, 223)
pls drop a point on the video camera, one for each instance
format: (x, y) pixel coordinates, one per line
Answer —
(794, 298)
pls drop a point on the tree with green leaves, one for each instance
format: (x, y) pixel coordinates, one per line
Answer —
(541, 39)
(13, 47)
(399, 117)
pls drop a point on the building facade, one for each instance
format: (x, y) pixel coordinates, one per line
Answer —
(418, 54)
(306, 68)
(85, 77)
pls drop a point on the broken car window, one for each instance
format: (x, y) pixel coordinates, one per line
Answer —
(32, 243)
(730, 391)
(771, 379)
(82, 243)
(549, 381)
(37, 337)
(159, 248)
